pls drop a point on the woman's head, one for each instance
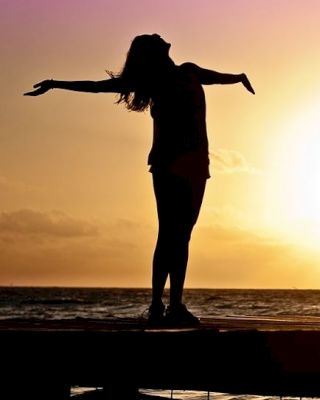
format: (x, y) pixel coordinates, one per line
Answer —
(149, 47)
(147, 60)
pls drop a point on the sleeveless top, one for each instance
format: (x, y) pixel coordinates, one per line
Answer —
(180, 143)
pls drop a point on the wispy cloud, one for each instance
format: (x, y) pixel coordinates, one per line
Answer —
(35, 248)
(53, 223)
(51, 248)
(231, 161)
(15, 185)
(229, 256)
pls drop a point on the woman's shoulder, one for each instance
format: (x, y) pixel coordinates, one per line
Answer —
(189, 67)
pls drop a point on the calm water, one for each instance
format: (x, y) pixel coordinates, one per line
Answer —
(56, 303)
(61, 303)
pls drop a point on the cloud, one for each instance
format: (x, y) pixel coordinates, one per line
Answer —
(54, 224)
(116, 256)
(16, 186)
(221, 255)
(229, 256)
(230, 161)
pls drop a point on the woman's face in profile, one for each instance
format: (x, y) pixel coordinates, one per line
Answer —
(161, 43)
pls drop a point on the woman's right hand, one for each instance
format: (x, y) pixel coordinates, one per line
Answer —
(40, 88)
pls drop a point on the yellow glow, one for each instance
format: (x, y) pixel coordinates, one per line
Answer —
(298, 179)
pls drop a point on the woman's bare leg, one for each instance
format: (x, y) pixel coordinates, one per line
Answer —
(178, 206)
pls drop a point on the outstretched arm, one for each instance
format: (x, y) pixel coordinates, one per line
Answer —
(113, 85)
(209, 77)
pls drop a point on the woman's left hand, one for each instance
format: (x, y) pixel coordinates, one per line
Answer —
(246, 83)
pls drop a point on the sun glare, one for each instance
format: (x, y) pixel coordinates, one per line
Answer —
(304, 190)
(297, 178)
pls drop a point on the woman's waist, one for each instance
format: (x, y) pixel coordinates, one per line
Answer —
(159, 154)
(186, 163)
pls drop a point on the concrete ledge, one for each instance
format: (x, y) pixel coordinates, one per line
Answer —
(267, 356)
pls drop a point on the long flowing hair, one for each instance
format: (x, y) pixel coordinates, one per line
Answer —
(146, 66)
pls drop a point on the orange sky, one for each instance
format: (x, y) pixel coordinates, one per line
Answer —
(76, 201)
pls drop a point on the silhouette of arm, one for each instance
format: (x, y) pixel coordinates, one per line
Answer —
(113, 85)
(209, 77)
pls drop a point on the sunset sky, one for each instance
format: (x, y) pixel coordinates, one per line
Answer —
(76, 200)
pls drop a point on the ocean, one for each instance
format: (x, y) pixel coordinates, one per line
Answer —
(100, 303)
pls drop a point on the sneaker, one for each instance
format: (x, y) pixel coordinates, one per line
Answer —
(180, 316)
(156, 314)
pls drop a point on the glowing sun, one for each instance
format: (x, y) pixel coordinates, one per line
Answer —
(297, 178)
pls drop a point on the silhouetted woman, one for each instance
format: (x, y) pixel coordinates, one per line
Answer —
(178, 159)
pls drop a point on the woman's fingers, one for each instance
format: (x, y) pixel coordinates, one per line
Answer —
(41, 87)
(248, 85)
(35, 92)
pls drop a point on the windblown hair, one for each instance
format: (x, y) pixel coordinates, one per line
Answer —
(145, 66)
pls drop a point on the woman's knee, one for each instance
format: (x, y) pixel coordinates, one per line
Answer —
(175, 236)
